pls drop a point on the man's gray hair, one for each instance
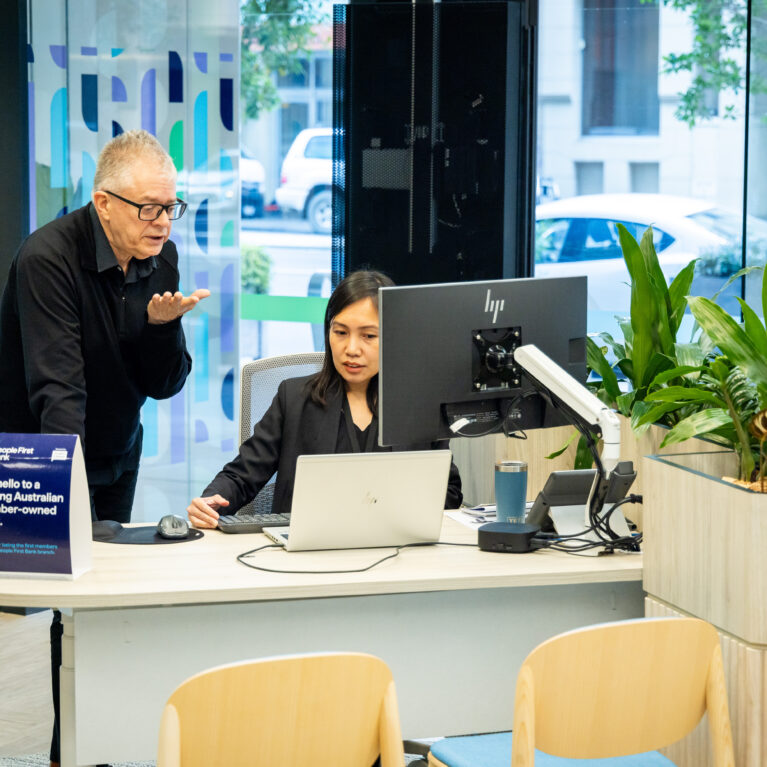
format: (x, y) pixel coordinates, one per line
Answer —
(119, 154)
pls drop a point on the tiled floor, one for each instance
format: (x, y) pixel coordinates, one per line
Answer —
(26, 713)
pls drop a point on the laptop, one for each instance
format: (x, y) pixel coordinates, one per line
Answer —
(366, 500)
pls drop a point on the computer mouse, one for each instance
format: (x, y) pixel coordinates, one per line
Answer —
(105, 529)
(172, 526)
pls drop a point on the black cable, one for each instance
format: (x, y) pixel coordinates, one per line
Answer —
(241, 560)
(622, 543)
(494, 428)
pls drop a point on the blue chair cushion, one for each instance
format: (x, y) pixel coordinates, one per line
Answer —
(494, 750)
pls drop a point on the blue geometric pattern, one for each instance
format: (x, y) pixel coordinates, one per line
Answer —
(148, 98)
(162, 73)
(90, 101)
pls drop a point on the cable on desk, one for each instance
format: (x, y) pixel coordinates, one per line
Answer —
(241, 558)
(624, 543)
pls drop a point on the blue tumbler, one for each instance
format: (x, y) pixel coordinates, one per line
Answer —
(510, 491)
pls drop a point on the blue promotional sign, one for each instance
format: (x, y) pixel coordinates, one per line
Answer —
(45, 521)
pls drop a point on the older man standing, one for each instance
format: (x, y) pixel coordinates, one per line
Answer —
(90, 326)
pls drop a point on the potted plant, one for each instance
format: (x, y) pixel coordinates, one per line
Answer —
(649, 357)
(704, 537)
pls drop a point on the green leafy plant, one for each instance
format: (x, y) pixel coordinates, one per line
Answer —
(649, 355)
(715, 385)
(732, 386)
(255, 267)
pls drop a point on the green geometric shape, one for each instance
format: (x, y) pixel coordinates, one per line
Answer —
(227, 234)
(176, 145)
(283, 308)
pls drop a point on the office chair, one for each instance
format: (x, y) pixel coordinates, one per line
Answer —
(610, 694)
(328, 710)
(258, 385)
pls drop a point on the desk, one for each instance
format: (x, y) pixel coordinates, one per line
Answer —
(453, 623)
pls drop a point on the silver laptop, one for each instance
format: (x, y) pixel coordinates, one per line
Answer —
(362, 500)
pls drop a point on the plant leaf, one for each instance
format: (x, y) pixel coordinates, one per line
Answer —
(764, 294)
(676, 372)
(685, 394)
(730, 338)
(649, 302)
(625, 403)
(624, 323)
(753, 327)
(657, 364)
(597, 362)
(583, 456)
(662, 308)
(617, 349)
(564, 447)
(701, 422)
(678, 292)
(641, 420)
(689, 354)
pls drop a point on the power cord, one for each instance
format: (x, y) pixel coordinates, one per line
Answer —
(619, 543)
(397, 549)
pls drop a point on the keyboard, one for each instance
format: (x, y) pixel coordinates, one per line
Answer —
(251, 523)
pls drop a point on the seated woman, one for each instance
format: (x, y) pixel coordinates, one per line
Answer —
(333, 411)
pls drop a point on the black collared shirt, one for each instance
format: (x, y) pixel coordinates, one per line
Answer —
(78, 354)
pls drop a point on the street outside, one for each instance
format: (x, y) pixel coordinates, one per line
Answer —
(297, 255)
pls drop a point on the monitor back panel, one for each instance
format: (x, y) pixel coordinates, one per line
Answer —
(428, 352)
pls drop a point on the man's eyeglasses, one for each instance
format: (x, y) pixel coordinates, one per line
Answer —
(151, 211)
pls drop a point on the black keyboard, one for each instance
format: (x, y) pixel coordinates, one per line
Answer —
(251, 523)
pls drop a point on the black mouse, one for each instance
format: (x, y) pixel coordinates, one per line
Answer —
(173, 526)
(105, 529)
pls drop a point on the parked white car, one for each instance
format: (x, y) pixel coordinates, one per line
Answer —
(578, 236)
(306, 178)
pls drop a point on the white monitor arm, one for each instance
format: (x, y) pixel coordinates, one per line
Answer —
(589, 415)
(551, 379)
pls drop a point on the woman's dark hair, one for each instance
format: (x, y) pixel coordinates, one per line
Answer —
(354, 287)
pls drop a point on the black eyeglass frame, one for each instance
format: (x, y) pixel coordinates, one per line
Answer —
(180, 205)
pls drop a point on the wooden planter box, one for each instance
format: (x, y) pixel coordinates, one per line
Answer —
(704, 555)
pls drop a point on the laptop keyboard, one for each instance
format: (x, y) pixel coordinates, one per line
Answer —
(251, 523)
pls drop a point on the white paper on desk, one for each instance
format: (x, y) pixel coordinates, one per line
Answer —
(474, 519)
(467, 520)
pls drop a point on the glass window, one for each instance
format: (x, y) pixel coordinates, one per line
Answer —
(645, 177)
(319, 148)
(324, 112)
(293, 119)
(285, 265)
(323, 72)
(623, 136)
(589, 177)
(620, 67)
(297, 77)
(587, 239)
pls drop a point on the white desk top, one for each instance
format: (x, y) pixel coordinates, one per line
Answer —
(206, 571)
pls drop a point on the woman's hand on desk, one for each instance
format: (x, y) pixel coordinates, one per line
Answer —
(203, 511)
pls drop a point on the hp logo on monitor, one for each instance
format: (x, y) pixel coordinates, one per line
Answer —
(493, 306)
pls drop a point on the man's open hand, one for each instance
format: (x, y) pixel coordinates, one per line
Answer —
(166, 307)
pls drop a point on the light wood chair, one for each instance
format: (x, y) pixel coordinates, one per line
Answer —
(326, 710)
(611, 690)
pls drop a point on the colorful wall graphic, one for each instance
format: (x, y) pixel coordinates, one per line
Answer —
(96, 69)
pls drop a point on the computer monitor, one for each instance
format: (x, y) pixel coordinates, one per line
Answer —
(447, 366)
